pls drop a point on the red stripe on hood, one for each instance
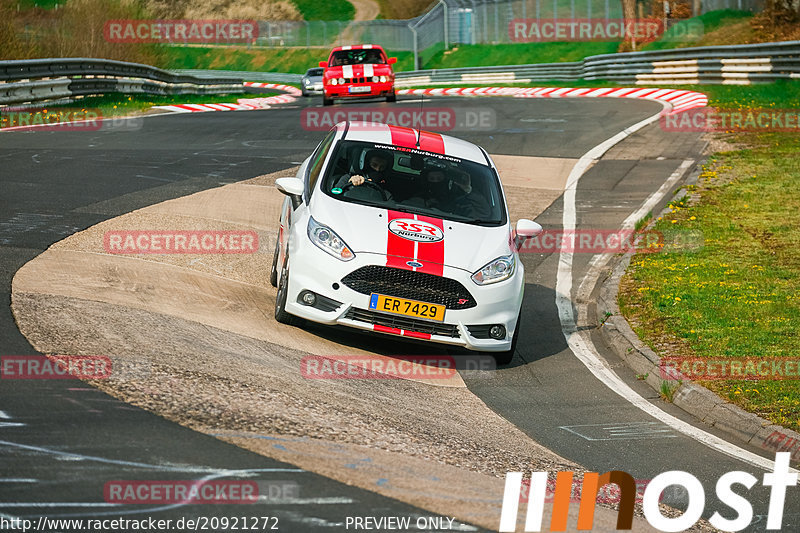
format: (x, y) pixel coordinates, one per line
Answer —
(431, 254)
(405, 137)
(431, 142)
(398, 249)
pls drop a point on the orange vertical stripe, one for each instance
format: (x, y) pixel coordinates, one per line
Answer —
(558, 520)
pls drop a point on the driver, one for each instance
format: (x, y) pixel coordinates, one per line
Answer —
(376, 163)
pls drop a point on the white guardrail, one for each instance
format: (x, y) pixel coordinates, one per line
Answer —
(35, 80)
(734, 64)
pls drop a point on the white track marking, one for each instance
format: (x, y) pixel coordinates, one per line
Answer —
(580, 341)
(3, 415)
(18, 480)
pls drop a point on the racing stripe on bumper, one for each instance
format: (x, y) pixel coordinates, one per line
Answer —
(401, 332)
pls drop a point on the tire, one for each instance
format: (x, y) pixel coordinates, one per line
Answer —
(327, 101)
(504, 358)
(305, 93)
(392, 97)
(273, 273)
(280, 299)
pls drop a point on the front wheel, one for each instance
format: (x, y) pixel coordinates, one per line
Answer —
(392, 97)
(504, 358)
(327, 101)
(273, 273)
(280, 299)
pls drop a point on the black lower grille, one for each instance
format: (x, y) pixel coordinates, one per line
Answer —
(480, 331)
(411, 285)
(402, 322)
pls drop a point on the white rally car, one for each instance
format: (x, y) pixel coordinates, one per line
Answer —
(401, 232)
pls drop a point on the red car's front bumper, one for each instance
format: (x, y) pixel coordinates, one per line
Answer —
(362, 90)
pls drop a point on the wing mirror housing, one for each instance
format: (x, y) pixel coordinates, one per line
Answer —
(392, 60)
(323, 64)
(525, 229)
(293, 188)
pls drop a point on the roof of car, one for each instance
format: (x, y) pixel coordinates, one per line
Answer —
(357, 47)
(427, 141)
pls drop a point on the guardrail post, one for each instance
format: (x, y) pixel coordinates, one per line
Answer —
(446, 24)
(414, 36)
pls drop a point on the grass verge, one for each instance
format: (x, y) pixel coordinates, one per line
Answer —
(291, 60)
(739, 295)
(114, 105)
(327, 10)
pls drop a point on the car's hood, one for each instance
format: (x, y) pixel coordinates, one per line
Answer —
(365, 70)
(403, 237)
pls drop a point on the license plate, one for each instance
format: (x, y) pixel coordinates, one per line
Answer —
(401, 306)
(359, 89)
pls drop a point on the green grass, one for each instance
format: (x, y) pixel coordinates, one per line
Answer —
(475, 55)
(723, 26)
(738, 295)
(325, 10)
(117, 105)
(44, 4)
(291, 60)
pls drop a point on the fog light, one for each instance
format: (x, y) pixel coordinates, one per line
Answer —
(497, 332)
(308, 298)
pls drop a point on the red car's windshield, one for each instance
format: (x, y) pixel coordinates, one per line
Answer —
(356, 57)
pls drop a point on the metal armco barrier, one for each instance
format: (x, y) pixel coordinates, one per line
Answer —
(733, 64)
(47, 79)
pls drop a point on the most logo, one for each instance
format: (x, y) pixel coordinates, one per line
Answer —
(414, 230)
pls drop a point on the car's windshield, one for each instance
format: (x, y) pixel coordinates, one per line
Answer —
(314, 72)
(414, 181)
(356, 57)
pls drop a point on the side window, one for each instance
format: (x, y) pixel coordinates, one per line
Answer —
(316, 163)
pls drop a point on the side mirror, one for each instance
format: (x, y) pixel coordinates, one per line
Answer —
(525, 229)
(323, 64)
(392, 60)
(291, 187)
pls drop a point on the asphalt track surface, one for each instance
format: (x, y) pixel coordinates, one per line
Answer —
(60, 440)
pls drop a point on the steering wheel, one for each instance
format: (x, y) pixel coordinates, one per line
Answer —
(372, 184)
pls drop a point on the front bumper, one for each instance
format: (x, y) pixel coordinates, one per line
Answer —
(311, 269)
(375, 89)
(315, 88)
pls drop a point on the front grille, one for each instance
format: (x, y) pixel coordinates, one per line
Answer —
(357, 80)
(402, 322)
(411, 285)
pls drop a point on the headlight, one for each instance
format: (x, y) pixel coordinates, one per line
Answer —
(325, 238)
(333, 81)
(306, 81)
(375, 79)
(341, 81)
(383, 79)
(498, 270)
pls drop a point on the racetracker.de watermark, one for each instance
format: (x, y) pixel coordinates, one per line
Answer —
(180, 242)
(745, 368)
(600, 241)
(180, 492)
(733, 120)
(395, 367)
(425, 118)
(180, 31)
(55, 367)
(65, 119)
(584, 29)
